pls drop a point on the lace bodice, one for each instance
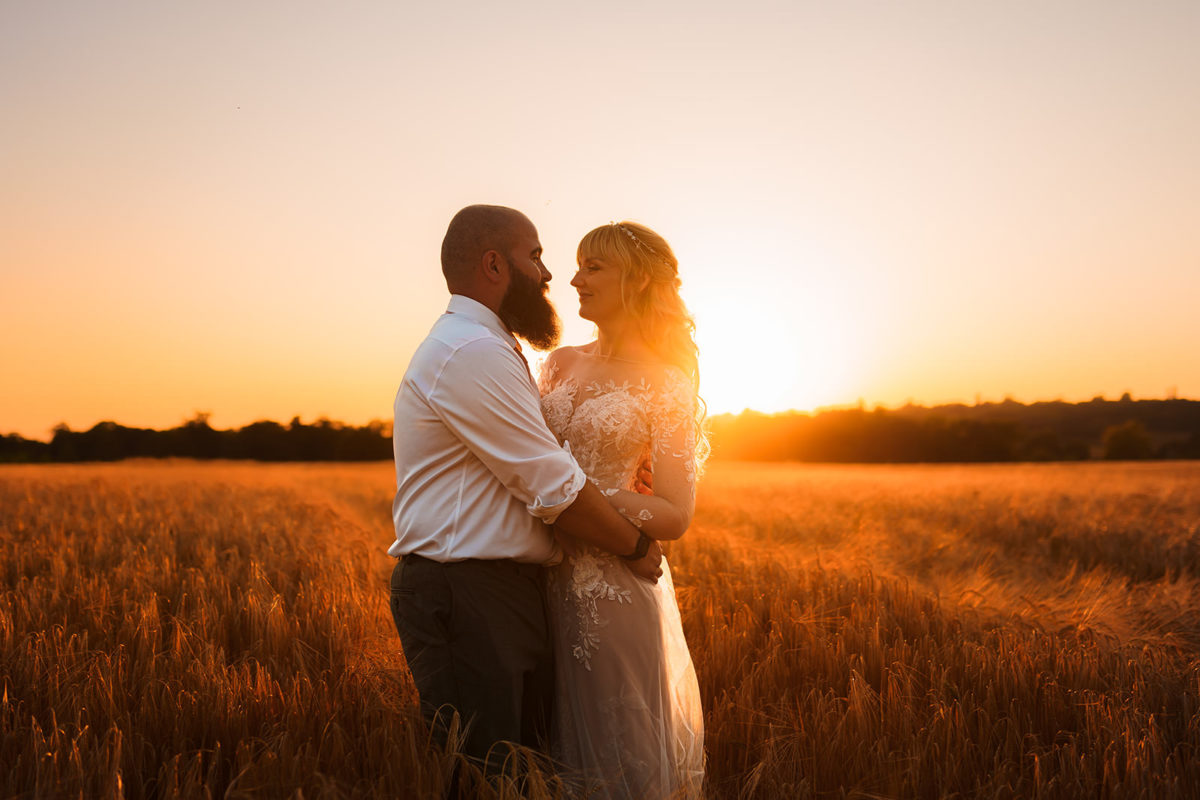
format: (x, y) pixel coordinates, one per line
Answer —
(611, 426)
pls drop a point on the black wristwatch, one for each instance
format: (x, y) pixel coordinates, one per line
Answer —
(643, 546)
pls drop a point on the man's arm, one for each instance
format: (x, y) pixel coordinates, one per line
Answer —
(592, 519)
(485, 397)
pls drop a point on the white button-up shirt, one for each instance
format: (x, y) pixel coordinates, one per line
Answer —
(478, 473)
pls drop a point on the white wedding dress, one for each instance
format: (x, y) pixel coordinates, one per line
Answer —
(627, 704)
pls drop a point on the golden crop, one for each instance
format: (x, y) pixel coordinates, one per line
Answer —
(177, 629)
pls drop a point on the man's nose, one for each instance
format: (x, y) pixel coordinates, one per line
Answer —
(546, 276)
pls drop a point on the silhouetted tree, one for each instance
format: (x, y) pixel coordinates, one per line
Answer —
(62, 444)
(1129, 440)
(15, 448)
(198, 438)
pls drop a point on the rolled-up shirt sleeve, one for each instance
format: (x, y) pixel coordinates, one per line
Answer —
(485, 396)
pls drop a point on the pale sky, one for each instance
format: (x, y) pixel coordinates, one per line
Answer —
(238, 207)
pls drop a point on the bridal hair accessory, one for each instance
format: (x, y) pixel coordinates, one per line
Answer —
(640, 244)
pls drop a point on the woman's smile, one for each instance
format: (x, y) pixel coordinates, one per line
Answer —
(599, 286)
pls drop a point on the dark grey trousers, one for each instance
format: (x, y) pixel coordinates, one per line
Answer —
(477, 641)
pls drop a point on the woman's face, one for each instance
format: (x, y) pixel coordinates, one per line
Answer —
(599, 286)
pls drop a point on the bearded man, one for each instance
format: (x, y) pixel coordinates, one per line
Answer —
(479, 481)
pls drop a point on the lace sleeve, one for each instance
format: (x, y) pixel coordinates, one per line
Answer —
(677, 440)
(677, 448)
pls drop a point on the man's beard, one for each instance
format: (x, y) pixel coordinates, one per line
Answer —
(527, 311)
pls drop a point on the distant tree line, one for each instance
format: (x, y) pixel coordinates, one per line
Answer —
(1008, 431)
(323, 440)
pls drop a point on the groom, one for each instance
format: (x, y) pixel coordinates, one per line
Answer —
(479, 481)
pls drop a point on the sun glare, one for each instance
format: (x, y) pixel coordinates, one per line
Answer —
(780, 331)
(755, 354)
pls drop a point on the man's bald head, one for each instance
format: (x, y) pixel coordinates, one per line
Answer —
(474, 231)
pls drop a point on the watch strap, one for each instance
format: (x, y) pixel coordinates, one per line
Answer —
(639, 552)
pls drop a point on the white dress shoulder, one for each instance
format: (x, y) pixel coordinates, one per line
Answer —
(627, 713)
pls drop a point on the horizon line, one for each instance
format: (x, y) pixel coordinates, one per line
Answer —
(858, 405)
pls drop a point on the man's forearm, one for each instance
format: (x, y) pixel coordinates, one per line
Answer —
(592, 519)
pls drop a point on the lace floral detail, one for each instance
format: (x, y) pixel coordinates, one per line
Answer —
(612, 426)
(637, 519)
(588, 586)
(672, 411)
(612, 387)
(547, 376)
(609, 423)
(558, 402)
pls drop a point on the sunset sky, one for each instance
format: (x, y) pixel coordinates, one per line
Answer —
(237, 207)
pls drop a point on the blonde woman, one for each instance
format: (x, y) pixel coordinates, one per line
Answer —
(627, 704)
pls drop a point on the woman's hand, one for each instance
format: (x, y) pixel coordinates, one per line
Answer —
(644, 480)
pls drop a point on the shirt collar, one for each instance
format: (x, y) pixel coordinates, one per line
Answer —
(478, 312)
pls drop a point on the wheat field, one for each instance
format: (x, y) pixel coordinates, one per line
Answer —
(198, 630)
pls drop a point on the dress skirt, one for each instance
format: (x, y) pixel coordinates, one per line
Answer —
(627, 719)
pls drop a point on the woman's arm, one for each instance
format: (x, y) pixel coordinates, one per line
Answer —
(658, 517)
(667, 513)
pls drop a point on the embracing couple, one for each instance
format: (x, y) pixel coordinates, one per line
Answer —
(531, 595)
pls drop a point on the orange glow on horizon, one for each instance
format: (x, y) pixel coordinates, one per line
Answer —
(244, 215)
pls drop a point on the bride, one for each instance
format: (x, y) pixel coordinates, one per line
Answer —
(627, 703)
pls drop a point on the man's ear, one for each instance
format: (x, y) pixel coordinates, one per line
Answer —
(493, 266)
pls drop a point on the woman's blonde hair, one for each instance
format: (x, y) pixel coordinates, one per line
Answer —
(650, 293)
(649, 289)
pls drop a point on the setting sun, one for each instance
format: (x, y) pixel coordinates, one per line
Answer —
(738, 372)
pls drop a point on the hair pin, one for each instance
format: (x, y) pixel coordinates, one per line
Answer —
(640, 244)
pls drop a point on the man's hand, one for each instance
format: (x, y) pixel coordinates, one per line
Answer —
(649, 566)
(644, 481)
(592, 519)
